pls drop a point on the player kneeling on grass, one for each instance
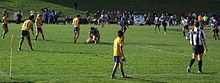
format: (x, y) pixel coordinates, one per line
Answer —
(39, 24)
(4, 25)
(196, 36)
(27, 25)
(94, 35)
(118, 54)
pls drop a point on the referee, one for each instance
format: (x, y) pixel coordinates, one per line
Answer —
(196, 36)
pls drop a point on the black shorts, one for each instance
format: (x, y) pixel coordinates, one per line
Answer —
(76, 29)
(39, 30)
(198, 49)
(186, 27)
(164, 24)
(25, 33)
(4, 26)
(215, 30)
(157, 24)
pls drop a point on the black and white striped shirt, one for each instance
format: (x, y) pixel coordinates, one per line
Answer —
(196, 36)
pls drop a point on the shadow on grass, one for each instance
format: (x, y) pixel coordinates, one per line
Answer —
(143, 80)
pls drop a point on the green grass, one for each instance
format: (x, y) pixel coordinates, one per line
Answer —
(150, 57)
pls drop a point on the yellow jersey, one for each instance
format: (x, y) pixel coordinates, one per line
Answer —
(38, 22)
(27, 25)
(75, 22)
(118, 43)
(5, 20)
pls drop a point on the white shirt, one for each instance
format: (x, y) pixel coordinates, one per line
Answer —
(196, 37)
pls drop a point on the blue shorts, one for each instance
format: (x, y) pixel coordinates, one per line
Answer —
(76, 29)
(117, 58)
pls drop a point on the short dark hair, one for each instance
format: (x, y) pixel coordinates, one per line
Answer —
(78, 16)
(92, 28)
(31, 17)
(196, 24)
(120, 33)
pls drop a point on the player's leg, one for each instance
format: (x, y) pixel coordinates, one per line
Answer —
(200, 62)
(37, 34)
(121, 69)
(116, 60)
(165, 29)
(5, 31)
(183, 30)
(194, 56)
(29, 42)
(217, 31)
(155, 28)
(76, 36)
(42, 34)
(158, 27)
(20, 43)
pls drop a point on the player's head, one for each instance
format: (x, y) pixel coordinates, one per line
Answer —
(92, 28)
(196, 24)
(78, 16)
(120, 33)
(31, 17)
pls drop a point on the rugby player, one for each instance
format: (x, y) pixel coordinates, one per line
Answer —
(94, 36)
(27, 25)
(76, 27)
(196, 36)
(39, 24)
(4, 25)
(118, 54)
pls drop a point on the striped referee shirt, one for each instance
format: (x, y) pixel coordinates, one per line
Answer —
(196, 36)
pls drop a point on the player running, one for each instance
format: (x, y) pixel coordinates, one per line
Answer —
(196, 36)
(27, 25)
(4, 25)
(185, 23)
(214, 25)
(118, 54)
(76, 26)
(39, 24)
(94, 36)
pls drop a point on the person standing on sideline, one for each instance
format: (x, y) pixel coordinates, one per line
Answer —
(196, 37)
(118, 54)
(76, 26)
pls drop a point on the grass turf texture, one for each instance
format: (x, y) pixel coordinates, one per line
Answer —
(150, 57)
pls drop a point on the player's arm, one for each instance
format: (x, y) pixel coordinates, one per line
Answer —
(32, 30)
(188, 35)
(90, 34)
(204, 41)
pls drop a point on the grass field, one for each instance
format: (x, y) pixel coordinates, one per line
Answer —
(150, 57)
